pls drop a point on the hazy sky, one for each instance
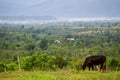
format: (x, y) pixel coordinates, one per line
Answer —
(60, 8)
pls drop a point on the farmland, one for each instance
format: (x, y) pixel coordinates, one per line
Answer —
(56, 51)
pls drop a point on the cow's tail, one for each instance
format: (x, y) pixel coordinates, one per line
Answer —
(105, 65)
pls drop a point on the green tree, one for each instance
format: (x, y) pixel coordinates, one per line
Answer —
(28, 63)
(30, 46)
(60, 62)
(11, 67)
(44, 44)
(2, 67)
(44, 62)
(114, 64)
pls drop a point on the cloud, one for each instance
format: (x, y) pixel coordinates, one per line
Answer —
(74, 8)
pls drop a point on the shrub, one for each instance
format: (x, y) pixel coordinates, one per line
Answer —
(11, 67)
(38, 61)
(60, 62)
(2, 67)
(27, 63)
(114, 64)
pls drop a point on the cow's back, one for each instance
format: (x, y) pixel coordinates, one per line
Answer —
(95, 60)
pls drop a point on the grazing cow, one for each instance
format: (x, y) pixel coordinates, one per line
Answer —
(94, 60)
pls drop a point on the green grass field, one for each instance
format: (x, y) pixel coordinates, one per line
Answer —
(60, 75)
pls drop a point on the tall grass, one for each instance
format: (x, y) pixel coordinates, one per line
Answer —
(60, 75)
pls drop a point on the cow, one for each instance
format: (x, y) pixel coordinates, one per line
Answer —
(95, 60)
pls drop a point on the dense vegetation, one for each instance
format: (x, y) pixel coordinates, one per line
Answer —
(60, 45)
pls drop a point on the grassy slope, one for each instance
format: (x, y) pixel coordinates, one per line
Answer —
(60, 75)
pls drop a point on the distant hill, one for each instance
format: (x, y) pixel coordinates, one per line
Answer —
(50, 19)
(23, 18)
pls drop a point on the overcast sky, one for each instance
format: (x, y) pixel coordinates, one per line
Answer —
(60, 8)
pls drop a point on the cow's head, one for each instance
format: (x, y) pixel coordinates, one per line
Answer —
(83, 67)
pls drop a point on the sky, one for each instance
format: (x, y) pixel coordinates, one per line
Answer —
(60, 8)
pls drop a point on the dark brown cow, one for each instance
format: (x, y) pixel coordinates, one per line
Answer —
(94, 60)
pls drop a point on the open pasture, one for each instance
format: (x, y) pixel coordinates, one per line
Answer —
(60, 75)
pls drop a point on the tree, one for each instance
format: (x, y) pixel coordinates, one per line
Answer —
(38, 61)
(114, 64)
(60, 62)
(44, 44)
(2, 67)
(11, 67)
(30, 46)
(28, 63)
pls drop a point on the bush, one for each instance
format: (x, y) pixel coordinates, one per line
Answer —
(2, 67)
(38, 61)
(27, 63)
(45, 62)
(114, 64)
(60, 62)
(11, 67)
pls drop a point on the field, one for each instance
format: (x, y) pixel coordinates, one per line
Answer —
(60, 75)
(56, 51)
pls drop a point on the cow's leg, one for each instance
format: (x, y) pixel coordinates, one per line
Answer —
(101, 67)
(104, 67)
(89, 68)
(92, 67)
(98, 68)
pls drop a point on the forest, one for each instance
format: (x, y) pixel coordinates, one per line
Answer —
(55, 46)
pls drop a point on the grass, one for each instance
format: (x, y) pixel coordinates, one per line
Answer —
(60, 75)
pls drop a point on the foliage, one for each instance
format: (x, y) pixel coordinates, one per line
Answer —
(114, 64)
(60, 62)
(44, 44)
(88, 39)
(12, 67)
(28, 63)
(2, 67)
(38, 61)
(45, 62)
